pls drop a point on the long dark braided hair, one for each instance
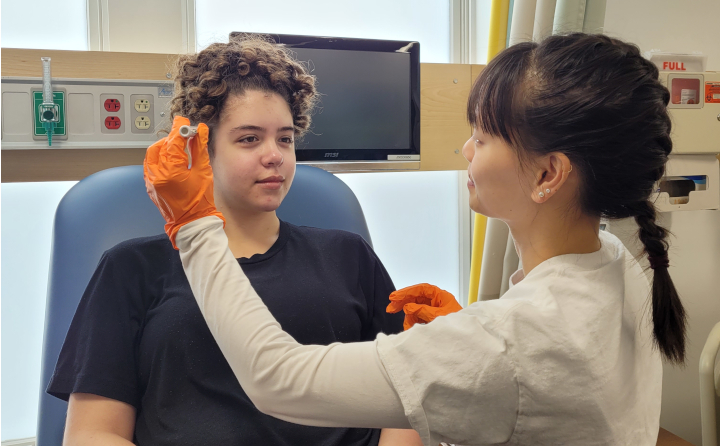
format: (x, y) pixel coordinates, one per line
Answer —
(598, 101)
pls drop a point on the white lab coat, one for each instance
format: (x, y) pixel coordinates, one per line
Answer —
(564, 357)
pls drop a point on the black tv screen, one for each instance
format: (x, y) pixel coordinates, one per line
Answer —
(369, 107)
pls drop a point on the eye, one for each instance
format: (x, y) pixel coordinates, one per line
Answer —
(287, 139)
(248, 139)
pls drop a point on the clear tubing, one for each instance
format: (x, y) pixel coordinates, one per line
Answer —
(47, 81)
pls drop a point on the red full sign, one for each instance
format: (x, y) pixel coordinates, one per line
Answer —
(674, 66)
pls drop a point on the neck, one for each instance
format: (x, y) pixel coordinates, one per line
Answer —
(554, 234)
(250, 233)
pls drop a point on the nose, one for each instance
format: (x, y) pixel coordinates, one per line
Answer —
(272, 157)
(468, 150)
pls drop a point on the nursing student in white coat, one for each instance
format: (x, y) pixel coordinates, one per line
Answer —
(565, 132)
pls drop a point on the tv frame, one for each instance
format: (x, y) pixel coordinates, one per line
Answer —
(364, 156)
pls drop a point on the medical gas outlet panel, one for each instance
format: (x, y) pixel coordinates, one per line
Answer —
(85, 113)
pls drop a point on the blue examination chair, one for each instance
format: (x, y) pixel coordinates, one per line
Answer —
(111, 206)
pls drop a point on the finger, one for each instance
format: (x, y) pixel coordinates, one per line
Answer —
(152, 153)
(407, 324)
(394, 307)
(411, 308)
(438, 296)
(412, 293)
(424, 313)
(432, 292)
(199, 146)
(409, 321)
(173, 152)
(427, 314)
(178, 121)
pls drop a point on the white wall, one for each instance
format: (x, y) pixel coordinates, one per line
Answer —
(413, 221)
(427, 22)
(28, 210)
(27, 215)
(675, 26)
(668, 25)
(44, 24)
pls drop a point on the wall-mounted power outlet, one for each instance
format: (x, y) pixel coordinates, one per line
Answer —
(142, 122)
(142, 105)
(113, 123)
(112, 105)
(142, 113)
(112, 113)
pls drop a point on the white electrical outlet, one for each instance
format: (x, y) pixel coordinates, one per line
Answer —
(142, 122)
(142, 105)
(142, 113)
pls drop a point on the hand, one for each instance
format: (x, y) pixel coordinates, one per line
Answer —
(182, 194)
(422, 303)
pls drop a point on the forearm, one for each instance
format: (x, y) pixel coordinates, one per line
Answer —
(94, 438)
(340, 385)
(93, 420)
(399, 437)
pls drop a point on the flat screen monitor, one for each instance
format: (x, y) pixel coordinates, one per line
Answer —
(369, 107)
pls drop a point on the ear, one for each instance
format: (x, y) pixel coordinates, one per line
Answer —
(552, 172)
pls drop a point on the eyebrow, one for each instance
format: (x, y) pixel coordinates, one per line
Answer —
(260, 129)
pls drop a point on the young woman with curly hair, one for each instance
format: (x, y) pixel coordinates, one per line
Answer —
(566, 131)
(139, 363)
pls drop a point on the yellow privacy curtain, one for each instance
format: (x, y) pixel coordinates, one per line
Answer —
(498, 27)
(498, 37)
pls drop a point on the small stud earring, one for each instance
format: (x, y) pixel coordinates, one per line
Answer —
(541, 195)
(547, 191)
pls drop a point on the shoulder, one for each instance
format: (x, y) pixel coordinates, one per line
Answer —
(142, 250)
(329, 238)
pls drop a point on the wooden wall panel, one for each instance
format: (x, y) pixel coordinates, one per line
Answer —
(88, 64)
(443, 129)
(475, 70)
(63, 164)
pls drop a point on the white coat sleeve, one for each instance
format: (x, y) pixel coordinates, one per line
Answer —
(339, 385)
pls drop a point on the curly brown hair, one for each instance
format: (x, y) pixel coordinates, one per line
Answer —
(204, 81)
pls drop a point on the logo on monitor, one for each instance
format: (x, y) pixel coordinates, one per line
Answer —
(332, 154)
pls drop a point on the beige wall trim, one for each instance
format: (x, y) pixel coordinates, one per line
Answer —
(88, 64)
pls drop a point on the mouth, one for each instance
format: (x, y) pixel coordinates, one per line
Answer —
(273, 182)
(272, 179)
(470, 181)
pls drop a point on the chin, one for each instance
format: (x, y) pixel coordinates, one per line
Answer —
(269, 205)
(476, 207)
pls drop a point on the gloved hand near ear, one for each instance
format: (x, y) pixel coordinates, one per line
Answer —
(422, 303)
(183, 195)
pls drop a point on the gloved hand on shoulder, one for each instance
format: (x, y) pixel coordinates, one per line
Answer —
(422, 303)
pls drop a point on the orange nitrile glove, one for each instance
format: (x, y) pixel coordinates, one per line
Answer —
(183, 195)
(422, 303)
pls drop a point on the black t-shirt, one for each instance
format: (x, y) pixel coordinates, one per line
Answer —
(138, 335)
